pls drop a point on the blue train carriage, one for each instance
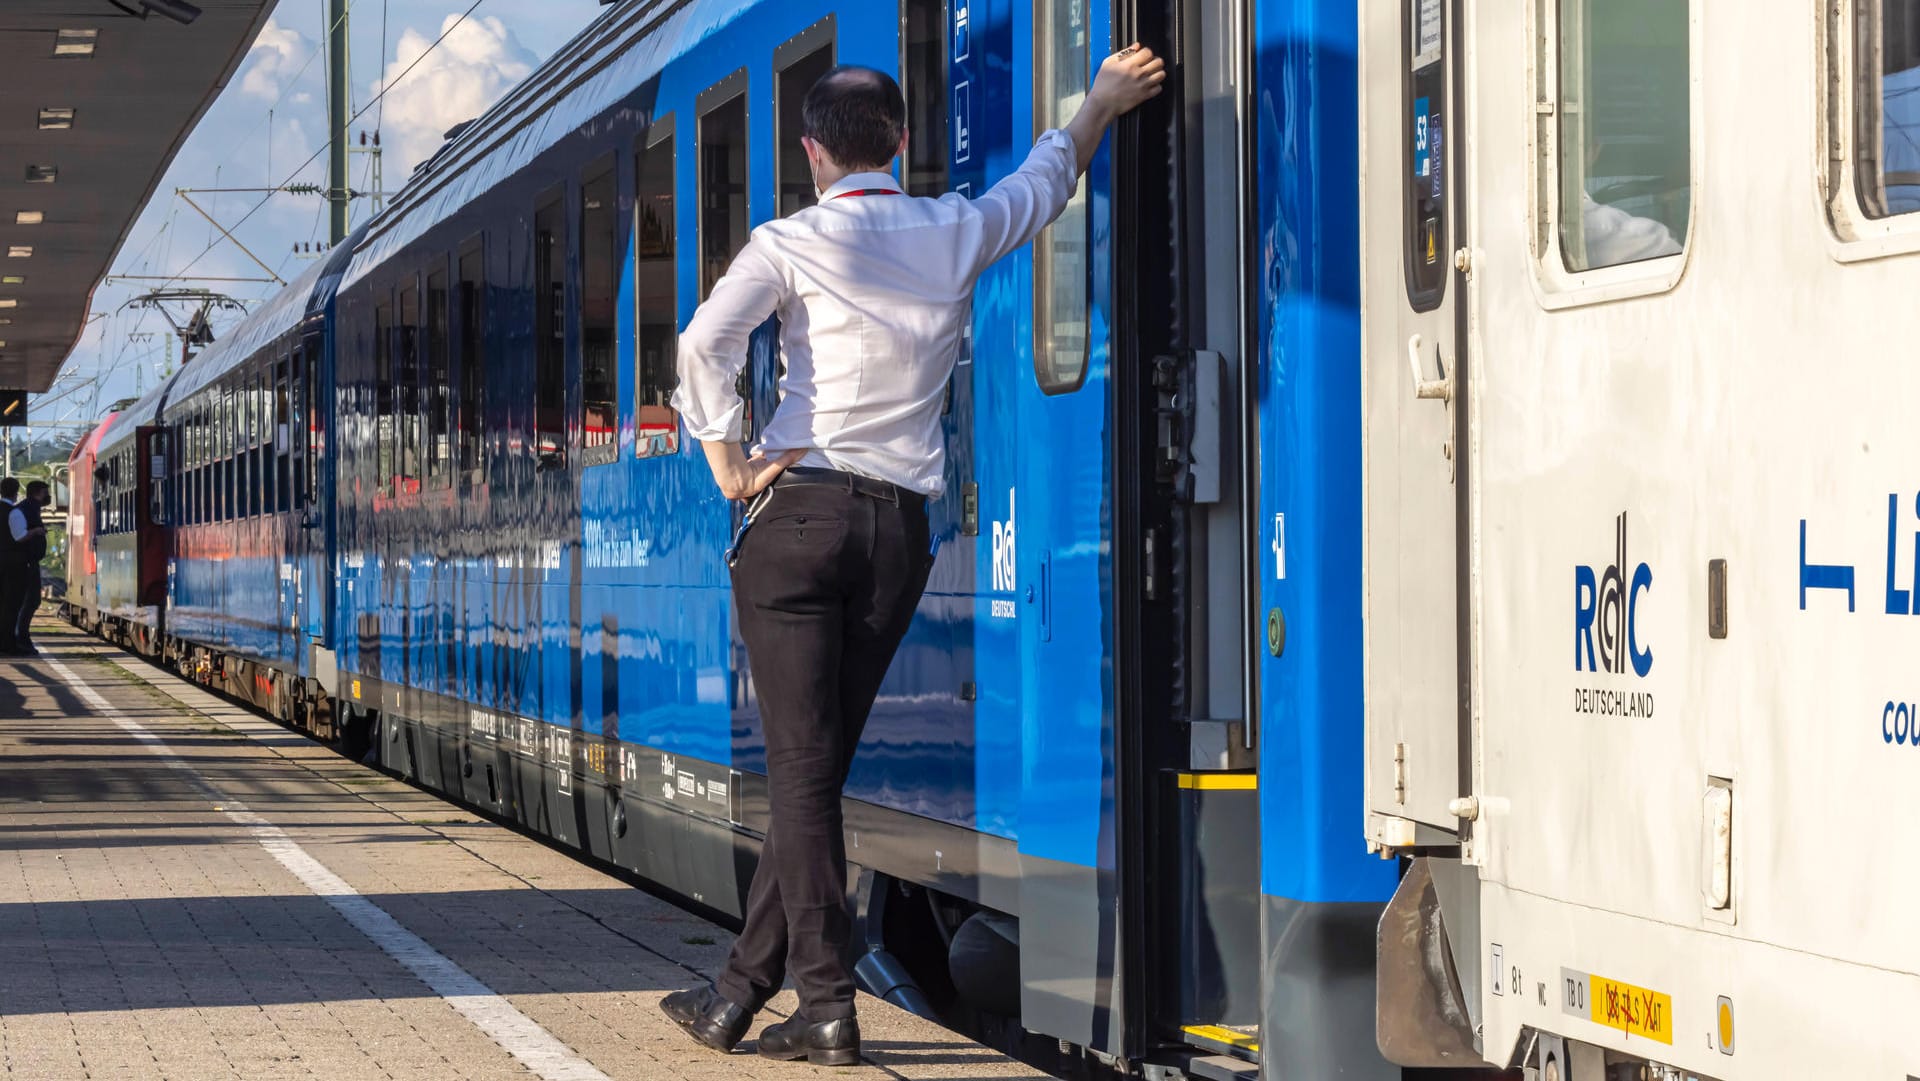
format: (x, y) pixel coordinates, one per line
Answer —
(1107, 795)
(235, 563)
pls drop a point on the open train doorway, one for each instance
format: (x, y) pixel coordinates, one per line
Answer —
(1185, 486)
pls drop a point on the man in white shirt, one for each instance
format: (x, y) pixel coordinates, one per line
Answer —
(873, 289)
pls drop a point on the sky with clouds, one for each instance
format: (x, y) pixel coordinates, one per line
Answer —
(269, 128)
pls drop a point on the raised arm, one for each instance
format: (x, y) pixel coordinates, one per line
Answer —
(1015, 210)
(1126, 80)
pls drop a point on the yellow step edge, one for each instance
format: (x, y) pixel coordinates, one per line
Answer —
(1231, 1038)
(1220, 781)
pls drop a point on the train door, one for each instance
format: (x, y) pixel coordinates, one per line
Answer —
(311, 544)
(1184, 365)
(1058, 533)
(1414, 410)
(1416, 263)
(153, 460)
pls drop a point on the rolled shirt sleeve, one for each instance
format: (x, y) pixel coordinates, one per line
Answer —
(1014, 211)
(713, 348)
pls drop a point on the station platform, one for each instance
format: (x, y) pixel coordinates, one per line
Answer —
(189, 891)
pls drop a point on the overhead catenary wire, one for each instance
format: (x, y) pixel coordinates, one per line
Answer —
(319, 52)
(387, 85)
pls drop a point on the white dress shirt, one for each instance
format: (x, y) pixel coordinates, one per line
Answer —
(873, 295)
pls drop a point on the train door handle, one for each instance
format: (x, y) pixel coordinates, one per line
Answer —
(1440, 389)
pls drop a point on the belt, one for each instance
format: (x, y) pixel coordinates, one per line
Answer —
(798, 475)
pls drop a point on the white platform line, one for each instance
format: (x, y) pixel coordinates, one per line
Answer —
(503, 1023)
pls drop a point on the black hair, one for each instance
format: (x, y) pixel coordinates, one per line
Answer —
(857, 115)
(36, 486)
(9, 487)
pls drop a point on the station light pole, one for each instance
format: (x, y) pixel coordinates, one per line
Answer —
(337, 193)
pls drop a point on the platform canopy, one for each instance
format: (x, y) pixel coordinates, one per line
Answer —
(96, 97)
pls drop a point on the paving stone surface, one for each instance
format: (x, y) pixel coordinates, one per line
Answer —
(157, 920)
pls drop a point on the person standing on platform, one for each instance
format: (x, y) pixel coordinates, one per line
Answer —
(9, 556)
(27, 535)
(873, 289)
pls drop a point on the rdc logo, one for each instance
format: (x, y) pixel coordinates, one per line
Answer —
(1606, 610)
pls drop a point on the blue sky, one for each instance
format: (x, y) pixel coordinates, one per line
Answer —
(270, 119)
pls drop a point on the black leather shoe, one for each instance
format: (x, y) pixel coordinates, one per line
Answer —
(822, 1043)
(707, 1017)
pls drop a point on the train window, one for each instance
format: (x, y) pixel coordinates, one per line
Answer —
(723, 178)
(240, 454)
(383, 396)
(203, 479)
(656, 429)
(407, 385)
(283, 432)
(439, 390)
(228, 474)
(1428, 126)
(159, 455)
(473, 373)
(797, 65)
(1886, 109)
(1060, 270)
(260, 479)
(600, 260)
(309, 407)
(550, 333)
(237, 463)
(196, 452)
(263, 456)
(923, 60)
(1624, 115)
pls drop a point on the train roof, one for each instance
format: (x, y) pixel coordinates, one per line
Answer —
(599, 68)
(90, 444)
(118, 426)
(282, 312)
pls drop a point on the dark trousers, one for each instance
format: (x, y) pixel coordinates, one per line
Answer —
(29, 603)
(19, 599)
(826, 584)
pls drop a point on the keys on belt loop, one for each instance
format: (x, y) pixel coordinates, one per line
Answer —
(746, 523)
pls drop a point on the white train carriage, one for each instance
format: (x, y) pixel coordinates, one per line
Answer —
(1642, 288)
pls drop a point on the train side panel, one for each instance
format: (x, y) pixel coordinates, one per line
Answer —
(1692, 513)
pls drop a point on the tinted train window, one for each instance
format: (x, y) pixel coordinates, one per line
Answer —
(798, 64)
(196, 451)
(229, 447)
(1060, 271)
(309, 406)
(1625, 180)
(550, 333)
(1886, 107)
(438, 394)
(656, 429)
(923, 59)
(259, 482)
(283, 433)
(383, 395)
(600, 259)
(473, 364)
(406, 379)
(723, 186)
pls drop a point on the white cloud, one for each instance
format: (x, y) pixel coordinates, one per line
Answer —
(277, 55)
(476, 63)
